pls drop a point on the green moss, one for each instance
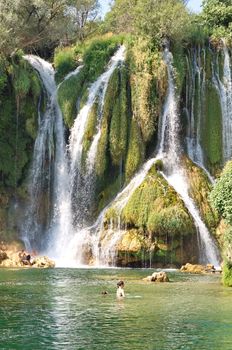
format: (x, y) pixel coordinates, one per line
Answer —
(18, 120)
(200, 189)
(156, 208)
(148, 86)
(179, 62)
(97, 54)
(65, 60)
(102, 156)
(227, 274)
(211, 131)
(68, 94)
(119, 122)
(90, 129)
(106, 195)
(74, 91)
(102, 160)
(135, 154)
(173, 220)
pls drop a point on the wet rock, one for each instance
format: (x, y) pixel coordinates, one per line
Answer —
(3, 256)
(43, 262)
(11, 256)
(197, 268)
(157, 277)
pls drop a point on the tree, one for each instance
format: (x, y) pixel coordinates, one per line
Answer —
(82, 14)
(221, 195)
(217, 17)
(153, 19)
(30, 23)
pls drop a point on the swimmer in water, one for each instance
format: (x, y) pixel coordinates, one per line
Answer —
(120, 290)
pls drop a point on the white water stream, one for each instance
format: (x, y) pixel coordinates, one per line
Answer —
(49, 149)
(224, 88)
(174, 173)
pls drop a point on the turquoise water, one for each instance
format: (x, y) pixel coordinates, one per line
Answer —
(64, 309)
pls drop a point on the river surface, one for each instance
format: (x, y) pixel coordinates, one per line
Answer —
(65, 309)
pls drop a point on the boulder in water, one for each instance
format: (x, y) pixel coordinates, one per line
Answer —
(157, 277)
(198, 268)
(3, 256)
(43, 262)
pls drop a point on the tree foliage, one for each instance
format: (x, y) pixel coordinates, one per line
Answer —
(221, 195)
(217, 17)
(82, 14)
(153, 19)
(39, 23)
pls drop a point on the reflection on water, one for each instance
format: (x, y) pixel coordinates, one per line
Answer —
(65, 309)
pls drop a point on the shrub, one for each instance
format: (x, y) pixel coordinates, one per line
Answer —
(65, 61)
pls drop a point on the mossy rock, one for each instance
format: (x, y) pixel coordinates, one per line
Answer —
(200, 188)
(227, 274)
(156, 207)
(211, 131)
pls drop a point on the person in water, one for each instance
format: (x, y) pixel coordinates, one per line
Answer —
(120, 290)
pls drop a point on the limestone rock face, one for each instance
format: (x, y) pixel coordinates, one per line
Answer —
(44, 262)
(197, 268)
(3, 256)
(10, 257)
(157, 277)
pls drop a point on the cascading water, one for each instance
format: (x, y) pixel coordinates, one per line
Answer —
(49, 172)
(104, 248)
(194, 105)
(107, 251)
(195, 86)
(73, 242)
(224, 88)
(170, 152)
(83, 181)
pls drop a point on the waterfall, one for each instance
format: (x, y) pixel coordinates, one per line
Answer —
(67, 236)
(195, 86)
(224, 88)
(107, 246)
(174, 173)
(104, 247)
(49, 172)
(82, 182)
(195, 96)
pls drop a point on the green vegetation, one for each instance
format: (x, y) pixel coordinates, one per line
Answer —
(221, 199)
(135, 155)
(151, 19)
(18, 119)
(41, 24)
(212, 128)
(70, 33)
(200, 188)
(65, 61)
(90, 129)
(227, 274)
(221, 194)
(119, 120)
(148, 86)
(95, 55)
(217, 17)
(155, 208)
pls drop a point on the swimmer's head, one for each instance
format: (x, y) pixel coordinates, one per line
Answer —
(120, 284)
